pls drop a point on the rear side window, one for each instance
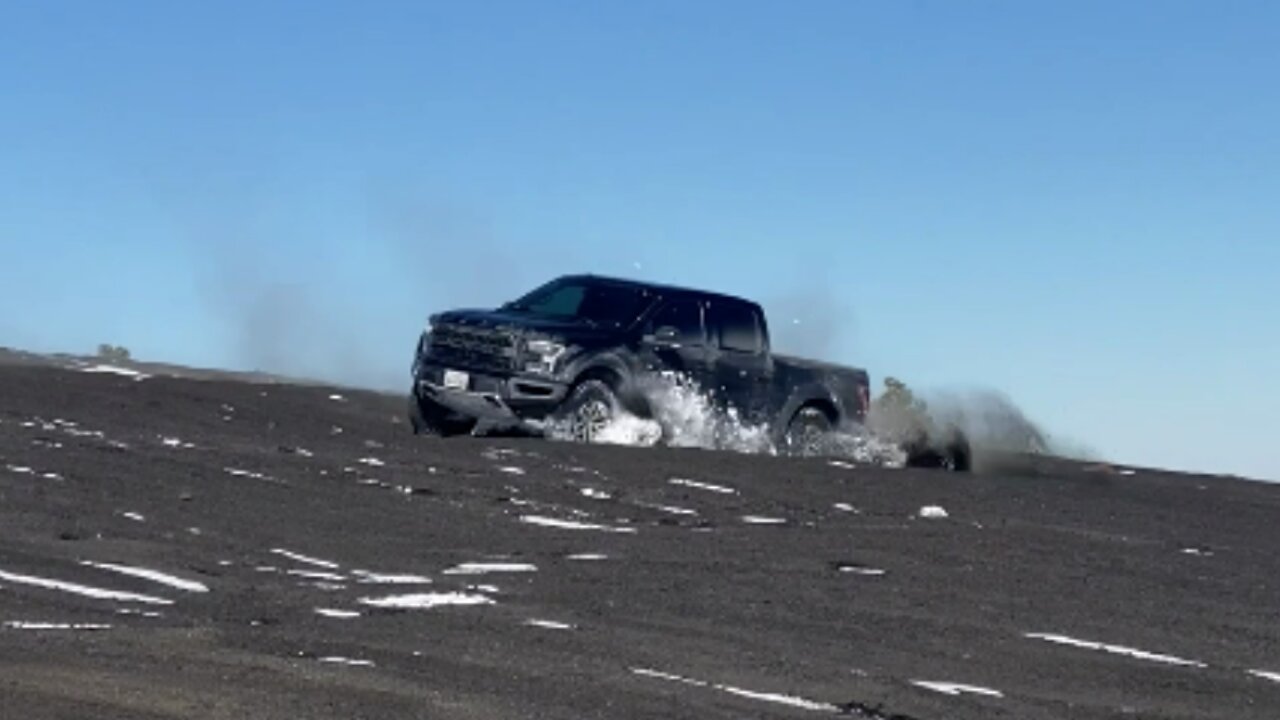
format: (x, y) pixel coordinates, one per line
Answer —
(683, 315)
(737, 326)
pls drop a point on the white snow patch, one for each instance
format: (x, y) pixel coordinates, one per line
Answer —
(587, 556)
(1273, 677)
(596, 494)
(703, 486)
(142, 613)
(761, 520)
(316, 575)
(789, 700)
(1115, 649)
(548, 624)
(933, 512)
(305, 559)
(24, 625)
(424, 601)
(859, 570)
(174, 442)
(1197, 552)
(571, 524)
(473, 568)
(340, 614)
(116, 370)
(83, 590)
(336, 660)
(646, 672)
(845, 507)
(337, 398)
(371, 578)
(20, 469)
(842, 464)
(671, 509)
(153, 575)
(73, 432)
(371, 462)
(136, 517)
(948, 688)
(237, 472)
(491, 589)
(511, 470)
(303, 452)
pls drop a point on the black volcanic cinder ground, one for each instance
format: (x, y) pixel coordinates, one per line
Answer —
(231, 513)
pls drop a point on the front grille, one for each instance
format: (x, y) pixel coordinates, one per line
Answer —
(469, 348)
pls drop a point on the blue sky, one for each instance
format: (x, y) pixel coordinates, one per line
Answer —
(1075, 203)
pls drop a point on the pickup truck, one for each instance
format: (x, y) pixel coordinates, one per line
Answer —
(576, 350)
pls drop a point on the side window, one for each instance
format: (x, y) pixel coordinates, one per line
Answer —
(563, 301)
(683, 315)
(737, 327)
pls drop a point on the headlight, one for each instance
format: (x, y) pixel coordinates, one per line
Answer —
(542, 355)
(544, 347)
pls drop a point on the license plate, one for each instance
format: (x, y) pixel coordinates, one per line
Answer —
(456, 380)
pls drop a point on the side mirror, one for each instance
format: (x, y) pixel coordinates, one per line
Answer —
(665, 336)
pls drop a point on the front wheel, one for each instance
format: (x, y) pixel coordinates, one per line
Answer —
(807, 432)
(588, 411)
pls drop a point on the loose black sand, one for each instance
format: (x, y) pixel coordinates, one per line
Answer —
(694, 612)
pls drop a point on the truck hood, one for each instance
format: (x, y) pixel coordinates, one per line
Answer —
(519, 323)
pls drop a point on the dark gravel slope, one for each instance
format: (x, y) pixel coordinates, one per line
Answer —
(599, 588)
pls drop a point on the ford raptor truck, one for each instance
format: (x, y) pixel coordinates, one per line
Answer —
(575, 352)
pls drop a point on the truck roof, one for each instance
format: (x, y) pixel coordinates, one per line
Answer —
(661, 288)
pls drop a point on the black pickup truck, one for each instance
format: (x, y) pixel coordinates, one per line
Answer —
(575, 352)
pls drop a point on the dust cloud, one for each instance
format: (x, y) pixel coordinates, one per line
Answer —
(350, 312)
(809, 320)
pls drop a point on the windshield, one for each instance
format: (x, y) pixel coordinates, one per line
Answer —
(596, 302)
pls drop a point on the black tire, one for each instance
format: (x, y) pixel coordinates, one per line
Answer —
(429, 418)
(807, 432)
(955, 456)
(589, 408)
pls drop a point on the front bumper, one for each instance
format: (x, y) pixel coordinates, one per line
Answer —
(500, 399)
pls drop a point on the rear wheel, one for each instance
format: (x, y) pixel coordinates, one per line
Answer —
(807, 431)
(587, 412)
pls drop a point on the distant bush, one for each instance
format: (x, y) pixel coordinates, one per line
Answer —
(898, 396)
(897, 413)
(114, 353)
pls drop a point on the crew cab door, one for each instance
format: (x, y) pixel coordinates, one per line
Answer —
(675, 339)
(741, 366)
